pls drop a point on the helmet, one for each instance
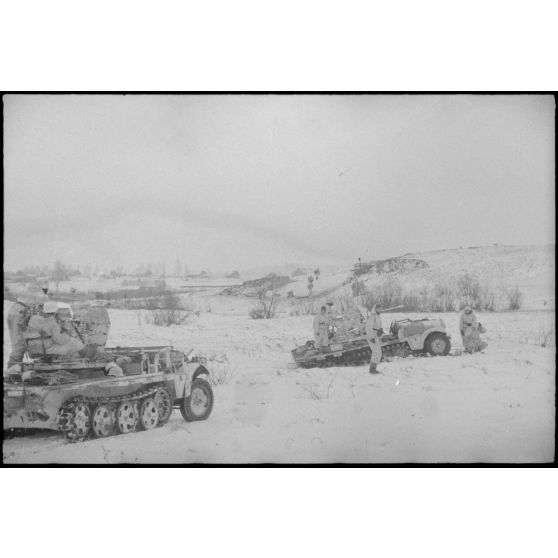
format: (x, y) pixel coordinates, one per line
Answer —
(50, 307)
(64, 308)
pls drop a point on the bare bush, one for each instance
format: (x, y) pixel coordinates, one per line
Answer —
(317, 393)
(267, 301)
(514, 297)
(443, 298)
(169, 311)
(468, 288)
(305, 308)
(487, 298)
(388, 292)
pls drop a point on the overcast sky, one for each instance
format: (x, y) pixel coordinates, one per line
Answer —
(227, 182)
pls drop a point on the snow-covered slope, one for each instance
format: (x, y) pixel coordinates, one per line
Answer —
(530, 268)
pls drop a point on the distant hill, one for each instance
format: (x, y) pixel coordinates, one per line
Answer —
(529, 268)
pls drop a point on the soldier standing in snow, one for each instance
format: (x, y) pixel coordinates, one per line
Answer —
(310, 284)
(321, 326)
(374, 332)
(470, 330)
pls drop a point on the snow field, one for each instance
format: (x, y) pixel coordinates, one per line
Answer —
(497, 406)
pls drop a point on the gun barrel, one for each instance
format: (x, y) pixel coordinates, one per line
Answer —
(392, 308)
(78, 333)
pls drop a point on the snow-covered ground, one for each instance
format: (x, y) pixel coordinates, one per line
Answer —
(497, 406)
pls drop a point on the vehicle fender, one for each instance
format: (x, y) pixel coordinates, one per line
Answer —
(416, 341)
(430, 332)
(199, 370)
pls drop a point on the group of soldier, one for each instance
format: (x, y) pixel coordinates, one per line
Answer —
(469, 327)
(39, 327)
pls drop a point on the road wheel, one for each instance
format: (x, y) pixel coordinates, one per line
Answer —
(148, 414)
(104, 421)
(437, 344)
(81, 421)
(163, 401)
(127, 417)
(198, 405)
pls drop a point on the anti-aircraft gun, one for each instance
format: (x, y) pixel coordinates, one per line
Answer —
(77, 397)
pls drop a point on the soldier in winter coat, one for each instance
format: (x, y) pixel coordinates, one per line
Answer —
(374, 332)
(17, 318)
(470, 330)
(44, 334)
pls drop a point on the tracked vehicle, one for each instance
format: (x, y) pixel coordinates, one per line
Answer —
(348, 345)
(78, 398)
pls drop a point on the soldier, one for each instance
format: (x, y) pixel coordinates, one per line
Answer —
(49, 333)
(18, 316)
(321, 327)
(470, 330)
(374, 332)
(46, 333)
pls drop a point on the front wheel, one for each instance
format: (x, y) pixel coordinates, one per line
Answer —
(438, 344)
(198, 405)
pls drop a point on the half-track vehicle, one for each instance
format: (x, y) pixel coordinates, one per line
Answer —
(77, 397)
(348, 345)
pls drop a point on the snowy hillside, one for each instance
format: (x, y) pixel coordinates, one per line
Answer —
(529, 268)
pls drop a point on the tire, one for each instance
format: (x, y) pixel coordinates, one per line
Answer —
(437, 344)
(199, 404)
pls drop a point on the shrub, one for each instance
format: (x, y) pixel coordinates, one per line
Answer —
(387, 293)
(267, 300)
(514, 297)
(305, 308)
(319, 392)
(487, 298)
(168, 310)
(469, 289)
(443, 298)
(343, 303)
(168, 317)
